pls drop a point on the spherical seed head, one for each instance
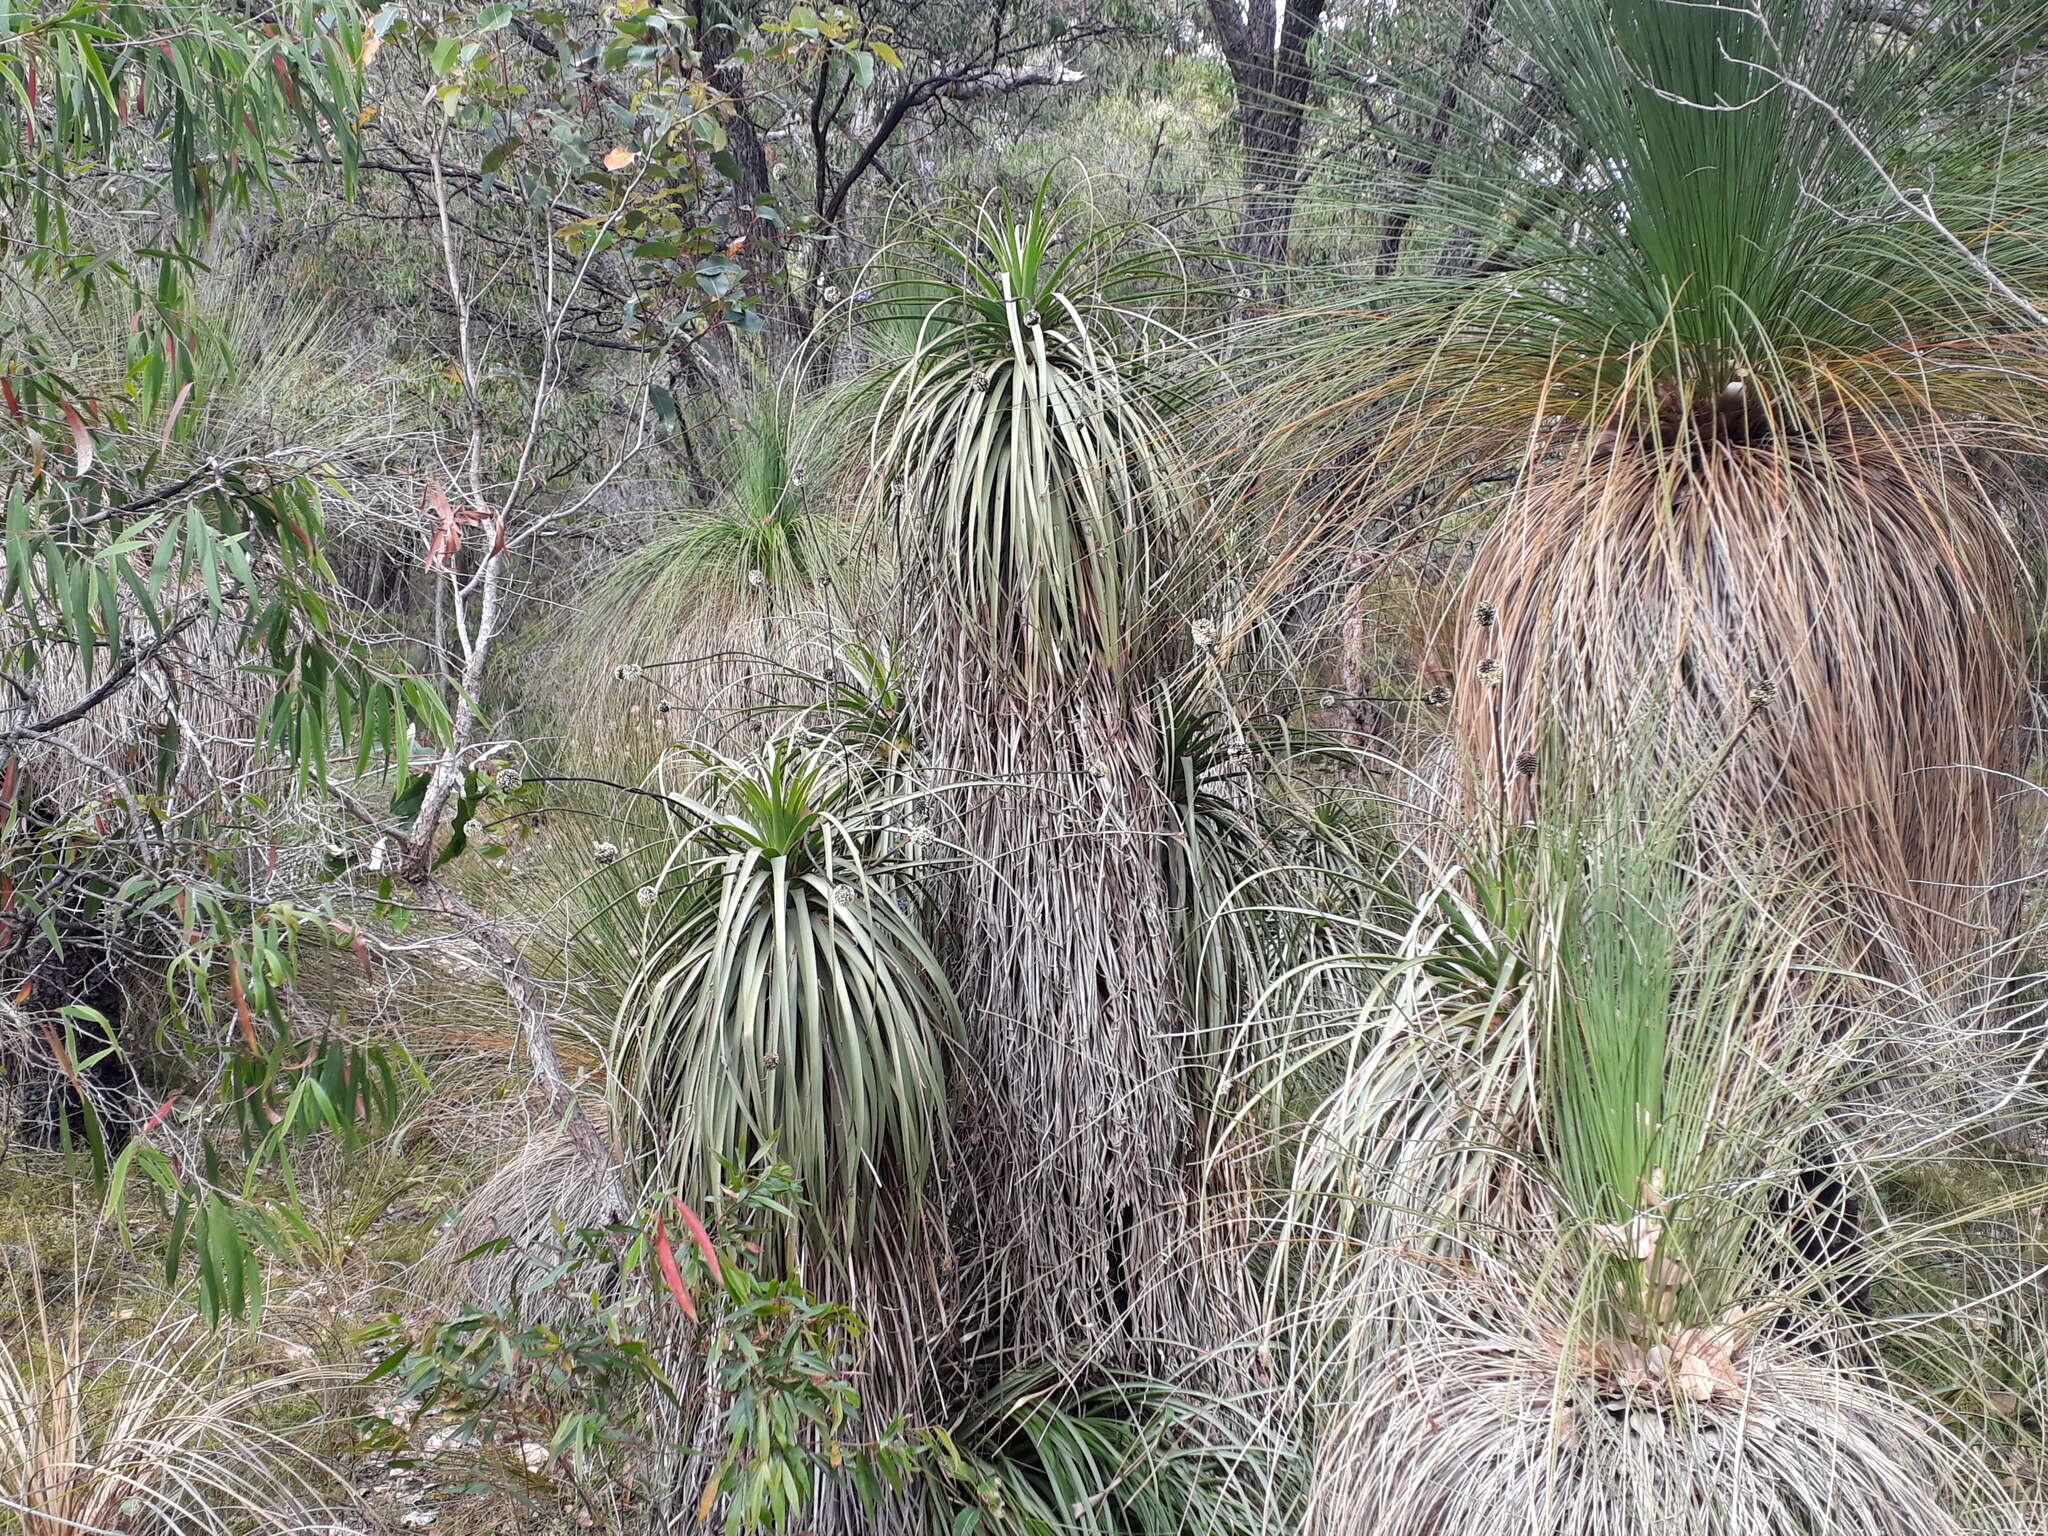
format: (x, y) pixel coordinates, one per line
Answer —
(1437, 696)
(1489, 672)
(1486, 614)
(605, 853)
(1764, 692)
(1525, 765)
(627, 672)
(770, 1061)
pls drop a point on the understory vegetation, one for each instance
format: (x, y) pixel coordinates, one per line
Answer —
(1023, 768)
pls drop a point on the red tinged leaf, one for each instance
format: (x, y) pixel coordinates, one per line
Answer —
(449, 521)
(13, 401)
(63, 1056)
(703, 1239)
(81, 439)
(163, 1113)
(243, 1014)
(177, 405)
(359, 945)
(445, 542)
(665, 1255)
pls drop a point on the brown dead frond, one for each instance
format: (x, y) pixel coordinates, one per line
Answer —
(1822, 638)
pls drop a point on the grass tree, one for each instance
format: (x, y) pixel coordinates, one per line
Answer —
(1042, 523)
(779, 1017)
(782, 997)
(723, 597)
(1738, 374)
(1712, 398)
(1551, 1260)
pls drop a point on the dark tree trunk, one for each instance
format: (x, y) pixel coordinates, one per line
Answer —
(70, 1065)
(1266, 44)
(1411, 174)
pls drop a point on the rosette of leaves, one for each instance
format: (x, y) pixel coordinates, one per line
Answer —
(783, 994)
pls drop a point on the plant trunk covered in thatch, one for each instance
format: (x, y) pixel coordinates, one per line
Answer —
(1077, 1145)
(1819, 643)
(1044, 528)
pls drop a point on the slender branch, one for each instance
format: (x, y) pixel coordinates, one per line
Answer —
(985, 75)
(536, 1024)
(1913, 199)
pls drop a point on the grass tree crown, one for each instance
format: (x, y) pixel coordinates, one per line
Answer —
(1023, 441)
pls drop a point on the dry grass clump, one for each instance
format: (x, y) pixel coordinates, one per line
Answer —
(1536, 1430)
(520, 1217)
(156, 1428)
